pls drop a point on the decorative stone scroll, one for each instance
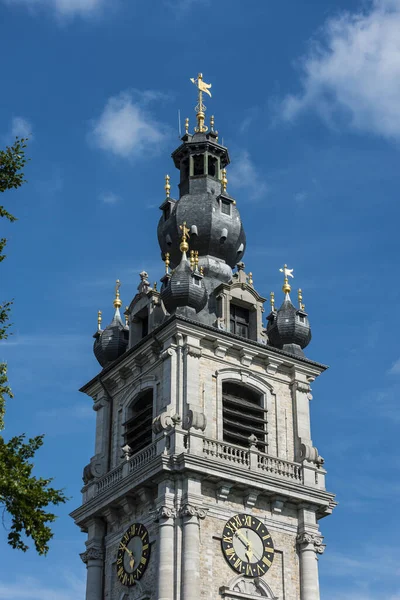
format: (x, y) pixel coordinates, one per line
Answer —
(195, 419)
(307, 539)
(165, 512)
(165, 421)
(311, 454)
(93, 553)
(188, 510)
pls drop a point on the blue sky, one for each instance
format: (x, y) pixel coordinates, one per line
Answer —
(307, 97)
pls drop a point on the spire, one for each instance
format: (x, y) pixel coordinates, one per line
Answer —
(167, 186)
(200, 107)
(272, 301)
(166, 259)
(117, 301)
(99, 320)
(184, 246)
(300, 299)
(224, 181)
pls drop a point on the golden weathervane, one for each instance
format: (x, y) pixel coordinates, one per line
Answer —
(200, 107)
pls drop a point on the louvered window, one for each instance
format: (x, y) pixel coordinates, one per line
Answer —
(243, 415)
(138, 428)
(239, 320)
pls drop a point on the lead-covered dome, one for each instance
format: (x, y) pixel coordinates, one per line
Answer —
(112, 342)
(289, 328)
(184, 286)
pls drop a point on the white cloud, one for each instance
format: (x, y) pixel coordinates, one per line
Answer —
(244, 175)
(63, 8)
(109, 198)
(395, 368)
(126, 128)
(28, 588)
(21, 127)
(352, 74)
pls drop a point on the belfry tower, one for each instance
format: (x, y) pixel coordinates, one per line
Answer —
(205, 483)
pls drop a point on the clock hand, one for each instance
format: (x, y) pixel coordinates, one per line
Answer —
(240, 535)
(127, 549)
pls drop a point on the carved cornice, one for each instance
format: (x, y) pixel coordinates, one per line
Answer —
(307, 539)
(188, 510)
(93, 553)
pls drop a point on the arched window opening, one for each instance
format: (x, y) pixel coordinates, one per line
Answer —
(184, 169)
(198, 164)
(212, 166)
(138, 427)
(243, 415)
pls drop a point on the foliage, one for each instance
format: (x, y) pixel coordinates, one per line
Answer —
(23, 496)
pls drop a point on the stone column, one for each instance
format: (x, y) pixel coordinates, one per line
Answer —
(191, 551)
(93, 558)
(165, 583)
(310, 545)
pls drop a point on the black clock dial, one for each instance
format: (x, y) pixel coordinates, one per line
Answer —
(247, 545)
(133, 554)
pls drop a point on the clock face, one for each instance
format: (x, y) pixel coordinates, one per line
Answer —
(247, 545)
(133, 554)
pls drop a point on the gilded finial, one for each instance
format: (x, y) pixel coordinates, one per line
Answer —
(155, 286)
(300, 299)
(212, 123)
(117, 302)
(126, 316)
(167, 186)
(167, 262)
(184, 246)
(272, 301)
(192, 260)
(202, 271)
(250, 280)
(224, 180)
(200, 108)
(187, 125)
(196, 259)
(99, 320)
(286, 274)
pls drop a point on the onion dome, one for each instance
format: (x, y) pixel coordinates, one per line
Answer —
(184, 288)
(111, 343)
(288, 327)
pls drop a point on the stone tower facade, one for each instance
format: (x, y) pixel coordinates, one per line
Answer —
(205, 482)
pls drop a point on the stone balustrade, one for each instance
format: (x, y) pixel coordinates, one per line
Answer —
(245, 458)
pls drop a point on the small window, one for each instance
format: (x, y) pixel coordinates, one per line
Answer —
(145, 326)
(198, 164)
(212, 166)
(196, 281)
(302, 319)
(225, 207)
(184, 169)
(239, 320)
(167, 212)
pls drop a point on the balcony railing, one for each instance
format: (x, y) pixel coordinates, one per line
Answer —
(252, 459)
(244, 458)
